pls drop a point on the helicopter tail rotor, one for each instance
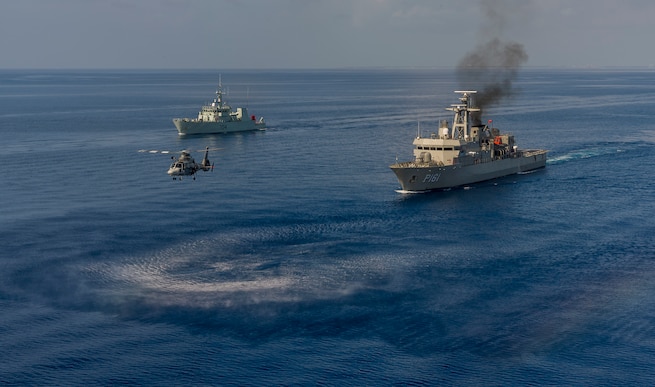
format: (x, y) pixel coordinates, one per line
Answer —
(205, 163)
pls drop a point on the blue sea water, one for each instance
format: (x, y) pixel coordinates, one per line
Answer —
(295, 261)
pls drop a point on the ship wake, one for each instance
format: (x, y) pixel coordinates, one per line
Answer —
(583, 154)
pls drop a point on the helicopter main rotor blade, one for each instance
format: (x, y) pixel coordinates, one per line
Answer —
(176, 151)
(154, 151)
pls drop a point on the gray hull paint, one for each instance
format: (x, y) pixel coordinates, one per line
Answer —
(416, 177)
(187, 126)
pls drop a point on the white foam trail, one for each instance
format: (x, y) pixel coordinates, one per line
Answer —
(406, 192)
(402, 191)
(582, 154)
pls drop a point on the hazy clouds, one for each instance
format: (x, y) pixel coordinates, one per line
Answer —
(317, 34)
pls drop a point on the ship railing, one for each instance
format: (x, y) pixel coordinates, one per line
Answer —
(533, 152)
(414, 164)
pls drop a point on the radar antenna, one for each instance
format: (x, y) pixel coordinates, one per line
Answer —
(461, 126)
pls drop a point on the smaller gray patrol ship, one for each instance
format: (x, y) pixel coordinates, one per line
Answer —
(218, 117)
(464, 154)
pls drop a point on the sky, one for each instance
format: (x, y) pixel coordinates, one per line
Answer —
(319, 34)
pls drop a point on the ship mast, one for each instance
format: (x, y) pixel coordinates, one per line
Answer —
(219, 91)
(461, 128)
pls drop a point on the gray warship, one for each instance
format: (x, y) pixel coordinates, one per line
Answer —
(468, 152)
(218, 117)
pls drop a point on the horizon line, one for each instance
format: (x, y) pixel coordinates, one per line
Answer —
(526, 67)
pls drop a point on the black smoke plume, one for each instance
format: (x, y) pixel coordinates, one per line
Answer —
(493, 65)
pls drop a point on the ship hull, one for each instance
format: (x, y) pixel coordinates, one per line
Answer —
(418, 177)
(187, 126)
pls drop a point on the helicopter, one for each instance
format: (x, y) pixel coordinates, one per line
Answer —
(185, 165)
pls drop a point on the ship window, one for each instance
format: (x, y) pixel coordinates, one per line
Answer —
(433, 148)
(447, 148)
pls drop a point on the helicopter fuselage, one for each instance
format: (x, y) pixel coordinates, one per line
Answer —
(185, 165)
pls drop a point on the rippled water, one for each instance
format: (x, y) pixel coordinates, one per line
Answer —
(295, 261)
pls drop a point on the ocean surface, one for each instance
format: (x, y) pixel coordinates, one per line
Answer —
(296, 262)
